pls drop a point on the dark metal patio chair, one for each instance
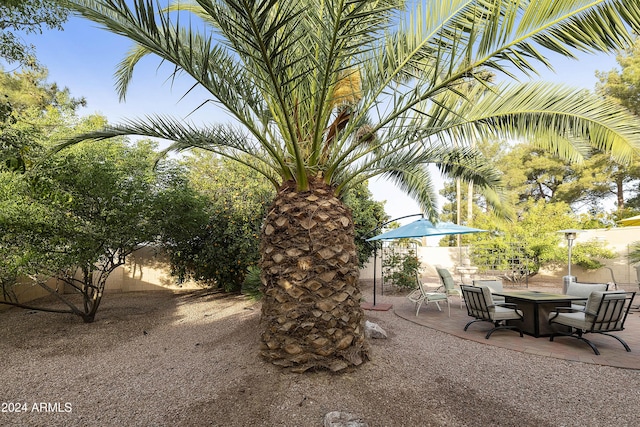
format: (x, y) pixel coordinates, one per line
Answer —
(604, 312)
(480, 305)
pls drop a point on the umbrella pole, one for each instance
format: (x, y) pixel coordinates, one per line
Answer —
(375, 268)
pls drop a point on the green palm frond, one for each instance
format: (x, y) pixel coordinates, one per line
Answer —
(416, 182)
(124, 70)
(496, 199)
(600, 26)
(407, 168)
(221, 139)
(561, 119)
(276, 67)
(454, 40)
(209, 63)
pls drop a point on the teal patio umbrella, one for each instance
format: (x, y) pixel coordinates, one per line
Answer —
(419, 228)
(423, 227)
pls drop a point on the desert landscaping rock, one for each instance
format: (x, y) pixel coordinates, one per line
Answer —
(343, 419)
(373, 330)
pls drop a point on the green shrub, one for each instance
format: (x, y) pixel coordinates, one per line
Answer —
(401, 269)
(252, 285)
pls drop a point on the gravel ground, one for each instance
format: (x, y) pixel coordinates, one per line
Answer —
(190, 359)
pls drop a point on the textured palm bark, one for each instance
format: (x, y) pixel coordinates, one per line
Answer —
(311, 311)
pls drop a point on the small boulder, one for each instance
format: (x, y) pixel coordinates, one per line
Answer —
(373, 330)
(343, 419)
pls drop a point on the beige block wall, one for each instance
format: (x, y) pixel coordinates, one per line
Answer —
(145, 270)
(619, 240)
(27, 291)
(430, 256)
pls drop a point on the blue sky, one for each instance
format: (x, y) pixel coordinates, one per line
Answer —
(84, 57)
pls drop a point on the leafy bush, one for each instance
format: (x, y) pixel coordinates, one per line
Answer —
(401, 268)
(588, 254)
(219, 242)
(634, 254)
(367, 214)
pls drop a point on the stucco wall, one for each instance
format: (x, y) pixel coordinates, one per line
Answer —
(145, 270)
(619, 240)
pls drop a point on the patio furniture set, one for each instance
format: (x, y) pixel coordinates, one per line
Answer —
(585, 308)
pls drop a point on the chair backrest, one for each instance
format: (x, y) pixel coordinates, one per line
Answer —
(579, 289)
(419, 284)
(607, 311)
(446, 278)
(423, 291)
(477, 300)
(493, 285)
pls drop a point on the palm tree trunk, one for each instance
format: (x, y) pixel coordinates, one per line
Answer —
(311, 312)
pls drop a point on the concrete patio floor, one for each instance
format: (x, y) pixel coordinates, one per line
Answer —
(612, 353)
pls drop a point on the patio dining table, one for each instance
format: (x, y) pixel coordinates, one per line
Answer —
(536, 306)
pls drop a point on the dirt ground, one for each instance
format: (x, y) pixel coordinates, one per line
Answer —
(191, 359)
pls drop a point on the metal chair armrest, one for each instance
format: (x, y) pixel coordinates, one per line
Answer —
(559, 310)
(431, 287)
(507, 305)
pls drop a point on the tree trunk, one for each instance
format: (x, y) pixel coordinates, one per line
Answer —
(470, 205)
(459, 215)
(311, 314)
(620, 192)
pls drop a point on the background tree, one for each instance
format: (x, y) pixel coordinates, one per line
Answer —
(533, 173)
(540, 185)
(531, 242)
(79, 216)
(32, 112)
(26, 16)
(74, 216)
(601, 179)
(306, 81)
(530, 172)
(623, 85)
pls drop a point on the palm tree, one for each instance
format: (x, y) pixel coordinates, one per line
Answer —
(328, 93)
